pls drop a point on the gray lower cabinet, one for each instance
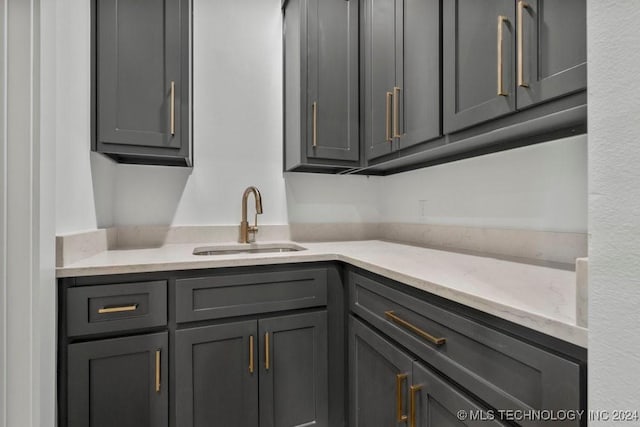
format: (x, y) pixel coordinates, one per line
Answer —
(433, 402)
(321, 84)
(119, 382)
(222, 369)
(504, 371)
(141, 81)
(294, 370)
(388, 388)
(379, 376)
(215, 377)
(400, 74)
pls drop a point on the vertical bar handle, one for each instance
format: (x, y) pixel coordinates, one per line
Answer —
(396, 112)
(400, 378)
(412, 402)
(389, 101)
(267, 363)
(314, 124)
(521, 6)
(173, 108)
(157, 371)
(251, 354)
(501, 20)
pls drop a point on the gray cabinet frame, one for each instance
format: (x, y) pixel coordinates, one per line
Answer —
(400, 88)
(146, 404)
(320, 43)
(554, 56)
(235, 396)
(135, 136)
(294, 383)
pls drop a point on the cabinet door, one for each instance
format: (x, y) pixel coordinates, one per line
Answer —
(436, 403)
(139, 67)
(552, 60)
(380, 378)
(119, 382)
(419, 90)
(478, 52)
(293, 370)
(379, 38)
(215, 381)
(332, 110)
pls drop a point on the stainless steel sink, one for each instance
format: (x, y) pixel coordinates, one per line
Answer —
(248, 249)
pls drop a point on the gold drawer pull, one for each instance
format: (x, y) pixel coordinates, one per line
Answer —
(314, 125)
(396, 112)
(412, 402)
(521, 6)
(157, 371)
(400, 378)
(119, 309)
(387, 118)
(267, 363)
(501, 22)
(251, 354)
(173, 108)
(437, 341)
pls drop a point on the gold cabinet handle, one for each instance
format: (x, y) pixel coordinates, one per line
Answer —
(387, 121)
(314, 124)
(400, 378)
(501, 20)
(251, 354)
(266, 351)
(119, 309)
(396, 112)
(392, 316)
(157, 371)
(521, 6)
(173, 108)
(412, 402)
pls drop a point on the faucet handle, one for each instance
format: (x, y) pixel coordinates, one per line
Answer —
(253, 229)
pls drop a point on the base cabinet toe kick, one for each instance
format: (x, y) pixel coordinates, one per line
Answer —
(322, 344)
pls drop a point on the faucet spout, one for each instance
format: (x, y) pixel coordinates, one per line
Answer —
(245, 229)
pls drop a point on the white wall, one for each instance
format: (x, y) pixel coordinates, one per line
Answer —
(84, 180)
(614, 205)
(238, 142)
(540, 187)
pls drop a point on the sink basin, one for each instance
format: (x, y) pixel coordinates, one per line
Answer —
(248, 249)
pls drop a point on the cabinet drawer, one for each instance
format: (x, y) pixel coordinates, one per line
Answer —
(110, 308)
(216, 297)
(504, 371)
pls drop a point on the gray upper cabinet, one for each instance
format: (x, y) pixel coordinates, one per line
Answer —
(294, 371)
(478, 53)
(505, 55)
(321, 84)
(119, 382)
(141, 80)
(552, 49)
(400, 58)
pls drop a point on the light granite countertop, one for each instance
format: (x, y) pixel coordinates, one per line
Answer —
(542, 298)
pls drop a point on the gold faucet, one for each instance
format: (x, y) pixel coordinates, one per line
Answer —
(245, 228)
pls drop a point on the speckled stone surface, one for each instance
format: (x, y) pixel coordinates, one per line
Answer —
(542, 298)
